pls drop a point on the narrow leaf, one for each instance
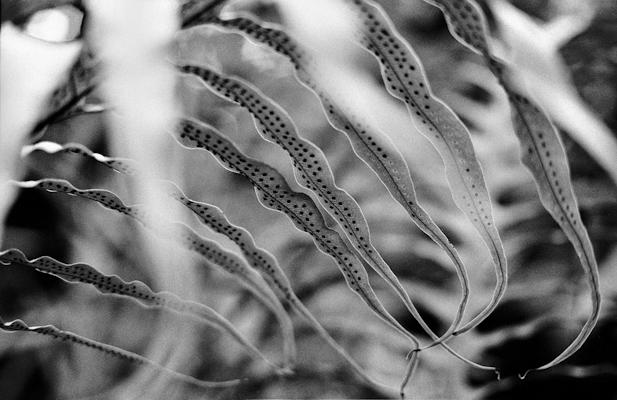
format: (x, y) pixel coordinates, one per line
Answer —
(373, 147)
(542, 153)
(122, 165)
(112, 284)
(80, 82)
(50, 330)
(214, 218)
(534, 54)
(311, 170)
(405, 80)
(189, 239)
(274, 193)
(267, 264)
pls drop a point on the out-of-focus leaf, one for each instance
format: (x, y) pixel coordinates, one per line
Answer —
(29, 71)
(534, 55)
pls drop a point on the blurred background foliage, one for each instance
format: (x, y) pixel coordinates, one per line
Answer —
(540, 314)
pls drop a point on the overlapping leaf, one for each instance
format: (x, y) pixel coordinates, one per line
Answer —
(542, 153)
(374, 148)
(311, 170)
(185, 236)
(122, 165)
(274, 192)
(405, 79)
(52, 331)
(264, 262)
(112, 284)
(214, 218)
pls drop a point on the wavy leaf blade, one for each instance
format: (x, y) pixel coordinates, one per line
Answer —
(274, 193)
(542, 153)
(213, 217)
(372, 147)
(189, 239)
(312, 170)
(282, 43)
(122, 165)
(265, 262)
(405, 80)
(545, 157)
(260, 259)
(137, 290)
(52, 331)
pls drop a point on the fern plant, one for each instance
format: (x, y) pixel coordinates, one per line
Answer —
(265, 279)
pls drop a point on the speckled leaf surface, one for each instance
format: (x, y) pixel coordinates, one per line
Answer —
(405, 79)
(137, 290)
(542, 153)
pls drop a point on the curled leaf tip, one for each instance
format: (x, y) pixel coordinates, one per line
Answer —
(542, 152)
(412, 364)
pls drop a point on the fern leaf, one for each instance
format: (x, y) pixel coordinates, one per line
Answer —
(189, 239)
(112, 284)
(66, 336)
(542, 153)
(123, 165)
(266, 263)
(403, 188)
(374, 148)
(274, 193)
(214, 218)
(405, 80)
(311, 170)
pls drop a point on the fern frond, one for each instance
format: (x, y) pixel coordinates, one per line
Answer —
(189, 239)
(542, 153)
(122, 165)
(274, 192)
(66, 336)
(213, 217)
(395, 176)
(405, 80)
(137, 290)
(372, 147)
(267, 264)
(312, 171)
